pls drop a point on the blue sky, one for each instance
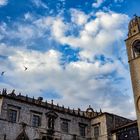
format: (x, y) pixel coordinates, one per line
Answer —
(74, 51)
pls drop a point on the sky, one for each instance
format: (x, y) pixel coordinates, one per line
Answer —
(74, 51)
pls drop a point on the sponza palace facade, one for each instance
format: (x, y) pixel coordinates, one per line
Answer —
(25, 118)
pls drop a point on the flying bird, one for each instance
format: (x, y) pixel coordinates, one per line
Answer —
(2, 73)
(25, 68)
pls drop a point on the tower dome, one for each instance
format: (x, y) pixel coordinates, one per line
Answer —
(134, 26)
(134, 22)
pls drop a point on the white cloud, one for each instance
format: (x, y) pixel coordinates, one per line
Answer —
(78, 84)
(97, 35)
(58, 28)
(78, 17)
(28, 16)
(44, 22)
(118, 0)
(98, 3)
(3, 27)
(40, 3)
(3, 2)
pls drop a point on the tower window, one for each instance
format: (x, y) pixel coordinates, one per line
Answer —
(136, 48)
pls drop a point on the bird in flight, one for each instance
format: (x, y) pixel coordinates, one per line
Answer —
(25, 68)
(2, 73)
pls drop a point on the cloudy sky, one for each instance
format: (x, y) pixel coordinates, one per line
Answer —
(74, 51)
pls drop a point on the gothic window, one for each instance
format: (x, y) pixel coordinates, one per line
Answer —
(36, 120)
(65, 126)
(12, 115)
(82, 128)
(136, 48)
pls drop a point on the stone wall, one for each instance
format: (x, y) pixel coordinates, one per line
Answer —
(25, 111)
(101, 122)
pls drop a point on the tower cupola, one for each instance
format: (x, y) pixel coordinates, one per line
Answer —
(134, 26)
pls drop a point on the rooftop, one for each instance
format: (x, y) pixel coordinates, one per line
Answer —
(89, 113)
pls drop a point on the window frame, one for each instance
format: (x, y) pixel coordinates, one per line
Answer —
(82, 127)
(93, 129)
(65, 122)
(13, 108)
(35, 113)
(12, 117)
(96, 135)
(36, 120)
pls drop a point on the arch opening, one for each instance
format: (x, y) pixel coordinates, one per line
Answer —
(136, 48)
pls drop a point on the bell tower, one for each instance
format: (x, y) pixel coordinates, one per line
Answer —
(133, 51)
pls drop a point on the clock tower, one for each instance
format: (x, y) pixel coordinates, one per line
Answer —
(133, 51)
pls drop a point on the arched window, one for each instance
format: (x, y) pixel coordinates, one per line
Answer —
(136, 48)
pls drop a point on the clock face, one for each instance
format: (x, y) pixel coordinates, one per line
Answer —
(136, 46)
(138, 104)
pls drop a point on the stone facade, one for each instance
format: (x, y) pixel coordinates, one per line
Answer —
(24, 118)
(133, 51)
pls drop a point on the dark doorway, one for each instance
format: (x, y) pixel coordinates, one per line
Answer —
(49, 138)
(44, 138)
